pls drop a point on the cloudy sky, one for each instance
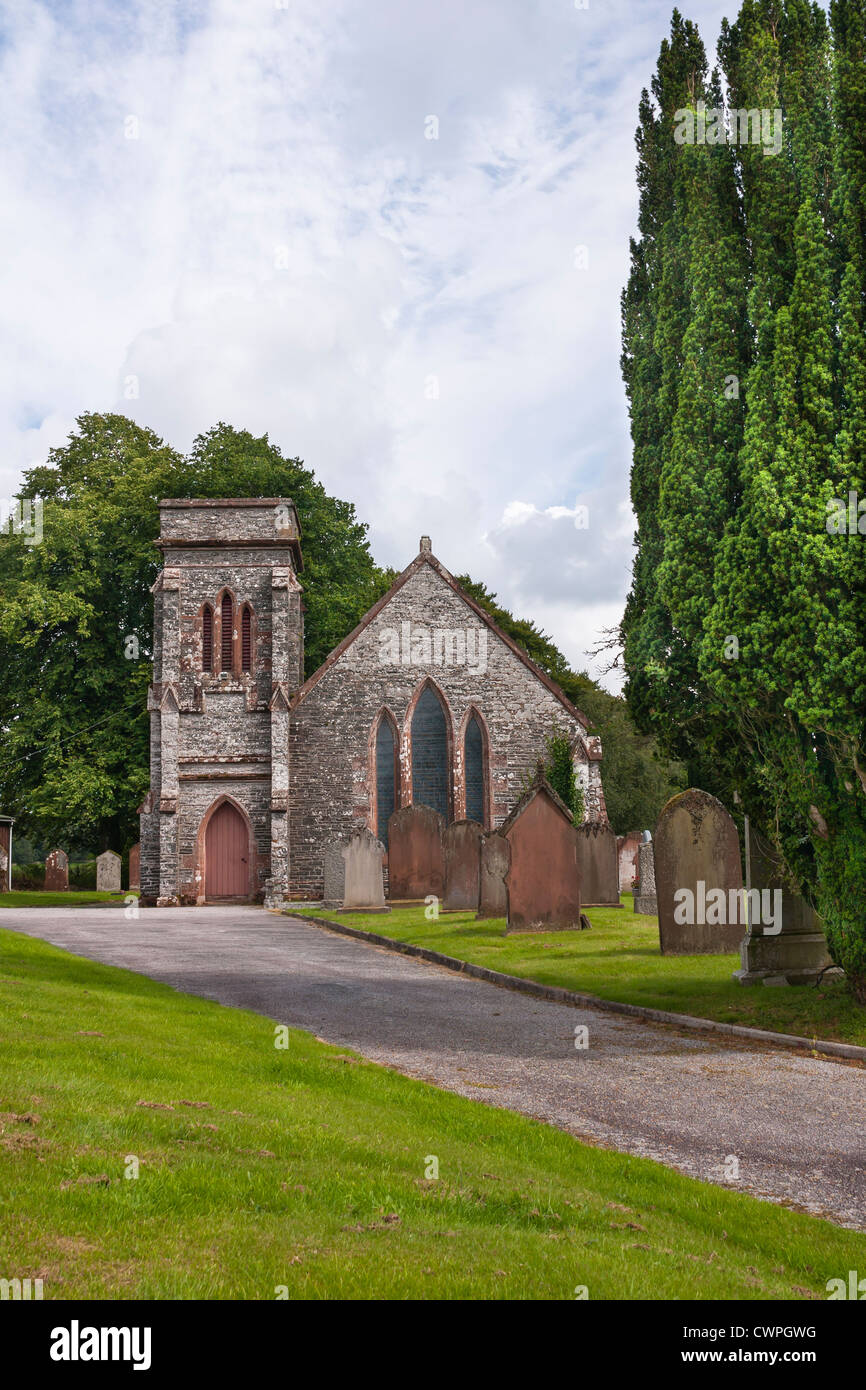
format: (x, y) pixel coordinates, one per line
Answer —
(392, 236)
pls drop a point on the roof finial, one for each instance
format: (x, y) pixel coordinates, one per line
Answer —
(425, 547)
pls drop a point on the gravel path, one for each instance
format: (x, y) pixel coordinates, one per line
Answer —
(794, 1124)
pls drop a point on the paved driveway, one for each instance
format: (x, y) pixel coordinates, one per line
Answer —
(794, 1124)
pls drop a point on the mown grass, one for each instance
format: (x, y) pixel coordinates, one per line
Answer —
(74, 898)
(620, 959)
(308, 1169)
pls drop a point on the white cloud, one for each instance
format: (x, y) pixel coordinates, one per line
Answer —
(281, 247)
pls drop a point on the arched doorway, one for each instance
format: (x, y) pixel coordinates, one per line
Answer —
(227, 850)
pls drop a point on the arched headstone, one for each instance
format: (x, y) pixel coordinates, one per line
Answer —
(108, 872)
(698, 876)
(462, 866)
(363, 881)
(495, 859)
(57, 872)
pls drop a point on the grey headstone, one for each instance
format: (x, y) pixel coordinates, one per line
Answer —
(795, 955)
(364, 885)
(645, 889)
(699, 877)
(335, 874)
(108, 872)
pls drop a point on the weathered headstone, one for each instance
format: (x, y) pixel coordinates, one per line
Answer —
(785, 944)
(6, 824)
(495, 861)
(644, 891)
(626, 848)
(543, 878)
(57, 872)
(364, 881)
(597, 863)
(135, 866)
(108, 872)
(416, 857)
(699, 878)
(462, 866)
(335, 874)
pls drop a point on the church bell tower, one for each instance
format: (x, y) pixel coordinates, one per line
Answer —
(228, 655)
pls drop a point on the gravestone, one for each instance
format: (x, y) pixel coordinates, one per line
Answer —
(543, 879)
(416, 856)
(790, 949)
(335, 874)
(108, 872)
(626, 849)
(698, 875)
(135, 866)
(364, 880)
(597, 863)
(495, 859)
(57, 872)
(462, 866)
(644, 891)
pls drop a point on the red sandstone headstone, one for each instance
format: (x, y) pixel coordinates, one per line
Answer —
(698, 877)
(543, 879)
(462, 866)
(495, 861)
(57, 872)
(416, 858)
(135, 866)
(597, 862)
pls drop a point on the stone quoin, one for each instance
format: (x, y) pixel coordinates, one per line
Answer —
(256, 771)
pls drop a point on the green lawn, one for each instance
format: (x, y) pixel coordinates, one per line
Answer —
(74, 898)
(620, 959)
(308, 1168)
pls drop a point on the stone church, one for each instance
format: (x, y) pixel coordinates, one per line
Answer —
(255, 771)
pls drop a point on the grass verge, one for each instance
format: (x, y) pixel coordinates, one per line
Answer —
(310, 1170)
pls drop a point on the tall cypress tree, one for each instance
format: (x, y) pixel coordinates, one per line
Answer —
(744, 630)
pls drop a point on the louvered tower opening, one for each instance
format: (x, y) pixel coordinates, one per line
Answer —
(226, 634)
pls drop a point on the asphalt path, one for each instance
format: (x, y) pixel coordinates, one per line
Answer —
(784, 1127)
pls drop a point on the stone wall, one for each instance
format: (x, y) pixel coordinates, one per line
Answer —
(332, 734)
(212, 733)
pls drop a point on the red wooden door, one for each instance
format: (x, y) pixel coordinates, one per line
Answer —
(226, 854)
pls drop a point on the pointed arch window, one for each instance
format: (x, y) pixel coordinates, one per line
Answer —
(226, 632)
(386, 777)
(473, 761)
(207, 638)
(430, 771)
(246, 638)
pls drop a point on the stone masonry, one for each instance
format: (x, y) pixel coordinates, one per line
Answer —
(221, 735)
(296, 762)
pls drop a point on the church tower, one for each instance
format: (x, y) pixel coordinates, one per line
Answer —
(228, 655)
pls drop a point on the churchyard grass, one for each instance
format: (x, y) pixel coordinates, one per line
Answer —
(74, 898)
(308, 1169)
(620, 959)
